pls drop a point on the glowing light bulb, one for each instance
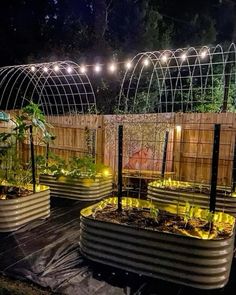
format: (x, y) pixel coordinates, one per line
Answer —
(33, 68)
(128, 65)
(178, 128)
(203, 54)
(69, 70)
(184, 56)
(146, 62)
(112, 68)
(97, 68)
(164, 58)
(56, 68)
(83, 69)
(45, 69)
(106, 172)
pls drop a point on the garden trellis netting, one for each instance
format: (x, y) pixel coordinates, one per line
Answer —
(183, 80)
(58, 87)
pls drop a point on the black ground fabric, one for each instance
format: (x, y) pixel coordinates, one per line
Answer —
(47, 253)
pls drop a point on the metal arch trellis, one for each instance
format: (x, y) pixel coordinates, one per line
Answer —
(58, 87)
(184, 80)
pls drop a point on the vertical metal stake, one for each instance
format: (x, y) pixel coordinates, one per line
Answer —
(214, 167)
(163, 168)
(47, 154)
(234, 169)
(32, 157)
(120, 160)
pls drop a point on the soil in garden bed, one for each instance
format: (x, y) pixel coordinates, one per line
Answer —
(165, 222)
(13, 192)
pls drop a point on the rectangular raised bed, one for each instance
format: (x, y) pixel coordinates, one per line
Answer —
(14, 213)
(186, 260)
(82, 189)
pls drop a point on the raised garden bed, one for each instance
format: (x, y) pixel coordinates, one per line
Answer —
(160, 243)
(19, 206)
(82, 189)
(171, 192)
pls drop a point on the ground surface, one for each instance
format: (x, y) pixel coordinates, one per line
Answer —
(46, 253)
(16, 287)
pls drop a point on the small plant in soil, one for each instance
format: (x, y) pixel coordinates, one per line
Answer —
(73, 168)
(16, 174)
(176, 185)
(191, 221)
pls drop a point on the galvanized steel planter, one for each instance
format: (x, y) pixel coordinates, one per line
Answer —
(15, 213)
(198, 263)
(225, 203)
(81, 189)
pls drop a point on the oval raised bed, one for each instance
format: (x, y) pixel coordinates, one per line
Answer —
(16, 212)
(225, 201)
(82, 189)
(196, 262)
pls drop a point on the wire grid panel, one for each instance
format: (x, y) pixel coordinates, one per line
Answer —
(189, 147)
(58, 87)
(183, 80)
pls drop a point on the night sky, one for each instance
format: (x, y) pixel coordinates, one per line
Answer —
(88, 30)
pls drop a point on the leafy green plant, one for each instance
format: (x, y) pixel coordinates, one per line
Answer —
(75, 167)
(29, 123)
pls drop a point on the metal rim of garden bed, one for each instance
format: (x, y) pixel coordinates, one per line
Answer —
(179, 80)
(60, 88)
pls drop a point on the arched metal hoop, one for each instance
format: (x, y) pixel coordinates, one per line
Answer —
(58, 87)
(183, 80)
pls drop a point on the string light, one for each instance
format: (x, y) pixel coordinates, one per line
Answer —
(56, 68)
(83, 69)
(184, 56)
(164, 58)
(128, 65)
(97, 68)
(112, 68)
(69, 70)
(203, 54)
(146, 62)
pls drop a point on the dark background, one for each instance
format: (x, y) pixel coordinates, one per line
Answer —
(91, 30)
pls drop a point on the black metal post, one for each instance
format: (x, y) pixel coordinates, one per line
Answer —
(214, 167)
(47, 154)
(32, 157)
(120, 160)
(227, 77)
(163, 168)
(234, 169)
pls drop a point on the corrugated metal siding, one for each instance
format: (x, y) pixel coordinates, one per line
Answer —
(226, 204)
(17, 212)
(77, 190)
(203, 264)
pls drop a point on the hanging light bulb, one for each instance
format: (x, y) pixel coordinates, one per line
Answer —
(184, 56)
(112, 68)
(203, 54)
(56, 68)
(128, 65)
(69, 70)
(33, 68)
(146, 62)
(83, 69)
(45, 69)
(97, 68)
(164, 58)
